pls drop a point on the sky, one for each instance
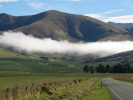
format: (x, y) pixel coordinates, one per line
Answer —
(120, 11)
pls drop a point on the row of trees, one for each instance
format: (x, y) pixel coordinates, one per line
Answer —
(118, 68)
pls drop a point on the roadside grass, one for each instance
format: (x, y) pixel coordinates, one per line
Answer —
(124, 77)
(70, 90)
(64, 86)
(11, 79)
(99, 93)
(22, 79)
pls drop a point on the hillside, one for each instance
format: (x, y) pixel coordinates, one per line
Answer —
(124, 57)
(59, 26)
(15, 62)
(126, 25)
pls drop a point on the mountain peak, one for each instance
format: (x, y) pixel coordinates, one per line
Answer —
(62, 26)
(5, 14)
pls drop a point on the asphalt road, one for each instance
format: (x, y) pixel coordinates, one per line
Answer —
(120, 90)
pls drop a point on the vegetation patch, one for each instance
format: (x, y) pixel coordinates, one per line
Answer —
(58, 89)
(35, 65)
(99, 93)
(125, 78)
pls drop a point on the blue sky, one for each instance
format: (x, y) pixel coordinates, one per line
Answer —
(106, 10)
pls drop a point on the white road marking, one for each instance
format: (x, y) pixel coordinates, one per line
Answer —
(115, 93)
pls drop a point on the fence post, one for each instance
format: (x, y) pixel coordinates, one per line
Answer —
(101, 85)
(7, 94)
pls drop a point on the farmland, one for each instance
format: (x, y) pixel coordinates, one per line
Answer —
(28, 77)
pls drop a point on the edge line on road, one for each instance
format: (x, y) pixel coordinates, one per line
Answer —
(115, 93)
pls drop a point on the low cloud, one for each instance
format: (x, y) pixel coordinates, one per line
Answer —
(28, 43)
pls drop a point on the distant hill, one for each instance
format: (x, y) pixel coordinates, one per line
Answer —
(59, 26)
(126, 25)
(124, 57)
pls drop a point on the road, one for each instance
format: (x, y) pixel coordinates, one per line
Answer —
(120, 90)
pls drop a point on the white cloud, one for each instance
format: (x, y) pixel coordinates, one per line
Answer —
(112, 11)
(120, 19)
(101, 15)
(36, 5)
(97, 16)
(22, 42)
(8, 0)
(117, 19)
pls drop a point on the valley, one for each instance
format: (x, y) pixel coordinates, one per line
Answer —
(54, 55)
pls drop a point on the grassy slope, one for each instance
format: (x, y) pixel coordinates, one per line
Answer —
(124, 57)
(10, 61)
(8, 54)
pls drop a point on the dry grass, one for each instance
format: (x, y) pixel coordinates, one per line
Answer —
(58, 90)
(126, 78)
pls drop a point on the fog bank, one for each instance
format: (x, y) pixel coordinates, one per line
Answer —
(28, 43)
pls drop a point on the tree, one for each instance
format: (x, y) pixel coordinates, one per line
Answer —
(108, 69)
(128, 68)
(122, 68)
(118, 68)
(92, 69)
(101, 68)
(86, 69)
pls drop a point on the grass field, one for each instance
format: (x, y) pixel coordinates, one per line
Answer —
(55, 86)
(33, 65)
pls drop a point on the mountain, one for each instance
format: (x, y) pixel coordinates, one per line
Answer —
(126, 25)
(63, 26)
(124, 57)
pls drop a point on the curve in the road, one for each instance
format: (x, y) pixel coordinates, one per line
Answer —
(120, 90)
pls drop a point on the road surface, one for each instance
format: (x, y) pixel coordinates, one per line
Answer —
(120, 90)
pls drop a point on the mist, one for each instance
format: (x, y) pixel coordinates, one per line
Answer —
(30, 44)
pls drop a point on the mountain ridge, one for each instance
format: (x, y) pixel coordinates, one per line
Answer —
(123, 57)
(63, 26)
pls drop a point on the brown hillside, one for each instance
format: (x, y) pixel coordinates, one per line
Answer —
(59, 26)
(124, 57)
